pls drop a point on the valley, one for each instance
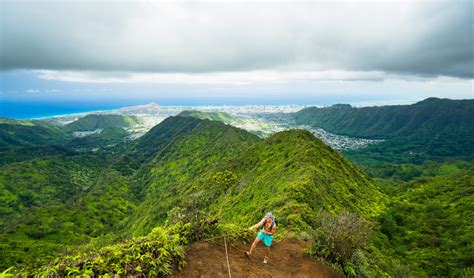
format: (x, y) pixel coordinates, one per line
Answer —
(236, 139)
(262, 120)
(95, 194)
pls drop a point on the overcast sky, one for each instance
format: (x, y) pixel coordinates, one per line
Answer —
(296, 51)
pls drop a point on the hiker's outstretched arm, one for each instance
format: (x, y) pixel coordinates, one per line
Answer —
(259, 224)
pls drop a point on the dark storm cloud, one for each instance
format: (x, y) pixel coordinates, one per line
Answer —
(426, 39)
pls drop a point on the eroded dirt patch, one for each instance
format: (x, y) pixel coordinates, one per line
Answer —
(287, 259)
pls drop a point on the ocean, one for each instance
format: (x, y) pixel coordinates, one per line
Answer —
(33, 110)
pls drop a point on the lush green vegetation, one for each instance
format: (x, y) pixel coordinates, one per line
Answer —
(36, 208)
(155, 255)
(429, 223)
(13, 135)
(182, 167)
(92, 122)
(53, 197)
(108, 139)
(425, 227)
(433, 128)
(21, 140)
(340, 240)
(213, 116)
(291, 173)
(102, 205)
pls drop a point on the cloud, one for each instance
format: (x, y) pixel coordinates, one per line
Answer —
(212, 78)
(408, 38)
(32, 91)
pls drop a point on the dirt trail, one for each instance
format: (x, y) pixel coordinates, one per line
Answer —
(287, 259)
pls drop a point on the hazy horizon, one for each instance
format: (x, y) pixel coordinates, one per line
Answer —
(47, 109)
(70, 57)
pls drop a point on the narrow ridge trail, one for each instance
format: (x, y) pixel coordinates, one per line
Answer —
(287, 259)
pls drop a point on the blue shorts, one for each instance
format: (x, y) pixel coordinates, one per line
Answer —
(267, 239)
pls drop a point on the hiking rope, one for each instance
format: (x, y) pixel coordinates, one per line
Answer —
(238, 249)
(227, 257)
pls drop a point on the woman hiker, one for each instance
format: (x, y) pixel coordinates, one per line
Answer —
(266, 234)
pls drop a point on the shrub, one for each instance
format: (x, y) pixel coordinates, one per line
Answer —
(339, 239)
(154, 255)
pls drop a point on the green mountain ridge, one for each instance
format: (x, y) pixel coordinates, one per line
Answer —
(296, 175)
(430, 129)
(431, 115)
(194, 155)
(92, 122)
(213, 116)
(257, 167)
(182, 163)
(65, 199)
(21, 135)
(26, 139)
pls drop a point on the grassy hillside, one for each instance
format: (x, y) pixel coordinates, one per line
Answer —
(436, 128)
(58, 204)
(296, 175)
(214, 116)
(21, 135)
(73, 199)
(34, 199)
(216, 172)
(430, 115)
(27, 139)
(195, 178)
(429, 225)
(16, 122)
(181, 166)
(291, 172)
(94, 121)
(161, 135)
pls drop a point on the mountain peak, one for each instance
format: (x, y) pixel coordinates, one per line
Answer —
(341, 106)
(431, 100)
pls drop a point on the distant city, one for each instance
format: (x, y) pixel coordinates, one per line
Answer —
(262, 120)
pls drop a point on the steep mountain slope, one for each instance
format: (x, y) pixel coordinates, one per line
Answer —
(14, 134)
(182, 163)
(197, 165)
(51, 196)
(427, 116)
(291, 173)
(58, 204)
(433, 127)
(161, 135)
(429, 224)
(296, 175)
(24, 140)
(75, 198)
(34, 200)
(224, 178)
